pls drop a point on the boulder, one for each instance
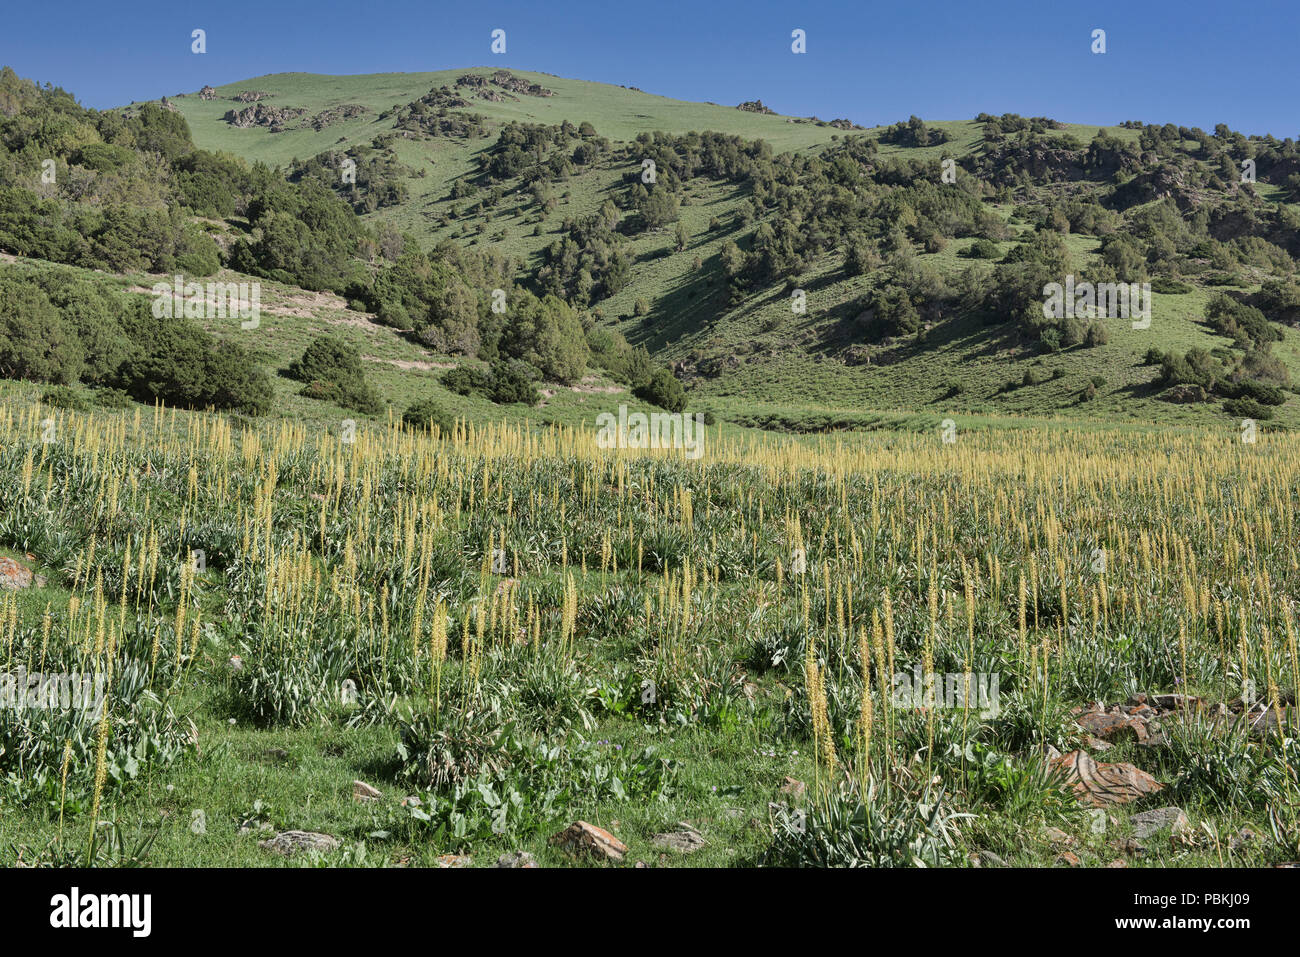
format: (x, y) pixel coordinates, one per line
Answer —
(517, 859)
(684, 839)
(1103, 784)
(289, 843)
(581, 839)
(13, 575)
(1150, 823)
(1113, 727)
(363, 792)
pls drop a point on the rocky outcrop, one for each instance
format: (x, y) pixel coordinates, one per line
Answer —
(273, 118)
(517, 84)
(503, 79)
(1142, 718)
(337, 114)
(1184, 393)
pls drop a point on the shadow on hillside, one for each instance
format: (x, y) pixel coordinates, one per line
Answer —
(1142, 390)
(964, 333)
(692, 304)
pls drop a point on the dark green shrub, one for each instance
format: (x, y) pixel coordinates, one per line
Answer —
(36, 342)
(465, 380)
(65, 397)
(331, 368)
(1260, 392)
(662, 390)
(109, 398)
(177, 362)
(511, 382)
(983, 249)
(1247, 409)
(394, 314)
(1097, 335)
(427, 414)
(547, 334)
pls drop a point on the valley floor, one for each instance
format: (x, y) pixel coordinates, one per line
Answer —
(509, 630)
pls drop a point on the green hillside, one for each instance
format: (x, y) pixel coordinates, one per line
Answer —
(617, 112)
(816, 367)
(392, 210)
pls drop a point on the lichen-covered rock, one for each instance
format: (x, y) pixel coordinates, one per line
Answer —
(13, 575)
(289, 843)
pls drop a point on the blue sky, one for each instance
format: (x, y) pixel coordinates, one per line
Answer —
(1193, 62)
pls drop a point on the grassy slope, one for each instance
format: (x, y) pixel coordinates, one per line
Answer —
(786, 362)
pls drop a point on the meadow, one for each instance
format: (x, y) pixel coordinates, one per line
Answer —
(365, 586)
(508, 629)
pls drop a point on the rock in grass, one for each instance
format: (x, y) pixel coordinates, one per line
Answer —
(684, 839)
(581, 839)
(1176, 702)
(1244, 838)
(289, 843)
(517, 859)
(1055, 835)
(1103, 784)
(1129, 845)
(13, 575)
(363, 792)
(793, 787)
(1264, 721)
(1113, 727)
(1151, 823)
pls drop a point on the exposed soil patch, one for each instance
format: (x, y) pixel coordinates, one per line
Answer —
(408, 364)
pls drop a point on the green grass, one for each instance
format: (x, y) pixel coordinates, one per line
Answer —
(729, 752)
